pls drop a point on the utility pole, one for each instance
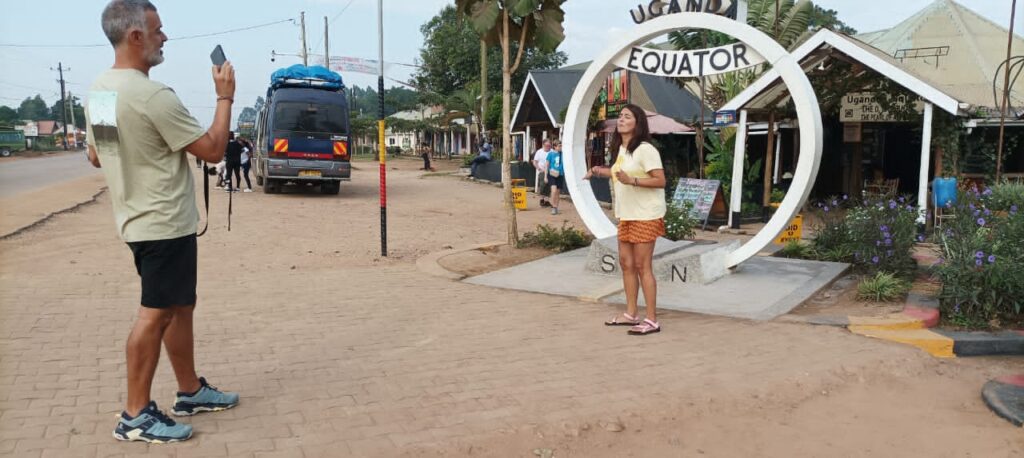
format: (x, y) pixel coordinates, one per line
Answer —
(327, 45)
(71, 99)
(63, 102)
(380, 131)
(1006, 93)
(305, 55)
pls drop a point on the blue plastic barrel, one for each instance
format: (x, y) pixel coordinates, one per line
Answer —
(945, 191)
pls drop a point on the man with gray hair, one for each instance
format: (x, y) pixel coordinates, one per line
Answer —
(139, 132)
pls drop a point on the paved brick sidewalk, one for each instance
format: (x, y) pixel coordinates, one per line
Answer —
(373, 358)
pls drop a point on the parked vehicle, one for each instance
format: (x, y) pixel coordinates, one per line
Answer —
(302, 131)
(11, 141)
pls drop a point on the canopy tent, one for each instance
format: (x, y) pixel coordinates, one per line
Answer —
(658, 123)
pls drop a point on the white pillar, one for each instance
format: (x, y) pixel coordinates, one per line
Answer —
(926, 149)
(469, 142)
(738, 159)
(778, 151)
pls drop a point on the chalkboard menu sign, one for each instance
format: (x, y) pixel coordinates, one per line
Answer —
(701, 193)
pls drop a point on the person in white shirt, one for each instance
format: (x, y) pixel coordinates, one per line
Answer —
(540, 162)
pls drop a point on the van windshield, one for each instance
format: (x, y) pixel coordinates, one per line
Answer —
(309, 118)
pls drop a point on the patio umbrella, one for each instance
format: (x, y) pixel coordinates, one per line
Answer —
(659, 124)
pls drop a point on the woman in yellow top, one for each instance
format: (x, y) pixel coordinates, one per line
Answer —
(639, 189)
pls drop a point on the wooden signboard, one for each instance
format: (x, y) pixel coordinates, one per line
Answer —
(701, 193)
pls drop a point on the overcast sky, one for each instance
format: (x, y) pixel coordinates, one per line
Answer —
(590, 25)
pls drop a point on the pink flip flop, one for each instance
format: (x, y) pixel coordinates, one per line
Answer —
(622, 320)
(644, 328)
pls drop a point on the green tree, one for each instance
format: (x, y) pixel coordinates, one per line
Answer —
(528, 23)
(828, 19)
(248, 114)
(57, 112)
(451, 58)
(33, 109)
(8, 116)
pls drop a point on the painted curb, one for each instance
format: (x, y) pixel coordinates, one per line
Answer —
(1005, 396)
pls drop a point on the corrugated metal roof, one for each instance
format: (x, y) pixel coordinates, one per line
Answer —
(976, 48)
(656, 94)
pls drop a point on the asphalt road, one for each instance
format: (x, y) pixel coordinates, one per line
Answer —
(30, 174)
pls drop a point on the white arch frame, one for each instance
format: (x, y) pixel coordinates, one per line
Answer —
(800, 88)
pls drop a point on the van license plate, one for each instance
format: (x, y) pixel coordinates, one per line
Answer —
(309, 173)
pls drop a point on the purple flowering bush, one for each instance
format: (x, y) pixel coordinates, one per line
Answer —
(831, 235)
(982, 264)
(882, 235)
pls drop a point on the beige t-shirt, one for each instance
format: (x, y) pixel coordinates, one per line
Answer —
(140, 129)
(633, 203)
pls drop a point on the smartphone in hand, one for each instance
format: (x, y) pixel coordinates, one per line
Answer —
(217, 56)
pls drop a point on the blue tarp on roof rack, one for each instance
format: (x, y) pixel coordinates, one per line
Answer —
(299, 75)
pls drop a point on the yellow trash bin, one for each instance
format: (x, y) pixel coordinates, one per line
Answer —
(519, 193)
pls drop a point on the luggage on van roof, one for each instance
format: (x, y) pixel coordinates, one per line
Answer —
(298, 75)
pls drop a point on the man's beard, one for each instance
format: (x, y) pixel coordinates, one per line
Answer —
(155, 58)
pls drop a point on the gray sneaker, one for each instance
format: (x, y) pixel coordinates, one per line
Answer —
(554, 210)
(151, 425)
(207, 399)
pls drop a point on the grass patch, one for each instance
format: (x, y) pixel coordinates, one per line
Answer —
(560, 240)
(882, 287)
(796, 250)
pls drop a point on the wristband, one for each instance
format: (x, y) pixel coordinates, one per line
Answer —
(224, 97)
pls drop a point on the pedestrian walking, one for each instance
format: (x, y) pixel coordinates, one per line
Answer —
(246, 162)
(639, 204)
(139, 133)
(556, 174)
(233, 162)
(540, 162)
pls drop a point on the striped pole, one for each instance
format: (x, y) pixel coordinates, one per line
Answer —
(380, 132)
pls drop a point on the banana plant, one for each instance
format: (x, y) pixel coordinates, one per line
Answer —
(519, 24)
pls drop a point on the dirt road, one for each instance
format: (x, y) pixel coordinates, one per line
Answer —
(338, 352)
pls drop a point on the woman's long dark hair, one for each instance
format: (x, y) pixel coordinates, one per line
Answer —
(641, 132)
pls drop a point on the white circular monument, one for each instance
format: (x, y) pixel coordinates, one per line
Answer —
(625, 53)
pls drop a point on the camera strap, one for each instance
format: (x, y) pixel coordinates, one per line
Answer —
(206, 197)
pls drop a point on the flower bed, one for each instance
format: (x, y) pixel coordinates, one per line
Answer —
(982, 259)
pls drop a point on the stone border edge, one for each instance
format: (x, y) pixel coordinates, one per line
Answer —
(430, 263)
(50, 216)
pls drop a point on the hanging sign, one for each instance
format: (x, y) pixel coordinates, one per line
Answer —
(688, 64)
(864, 107)
(725, 118)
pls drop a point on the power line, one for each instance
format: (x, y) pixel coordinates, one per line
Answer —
(187, 37)
(335, 18)
(23, 87)
(242, 29)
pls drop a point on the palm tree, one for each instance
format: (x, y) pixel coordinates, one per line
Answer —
(465, 100)
(527, 23)
(784, 20)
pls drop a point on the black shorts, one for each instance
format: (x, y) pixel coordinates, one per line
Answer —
(168, 271)
(558, 181)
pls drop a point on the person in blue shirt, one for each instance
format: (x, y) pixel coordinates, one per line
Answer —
(484, 156)
(556, 174)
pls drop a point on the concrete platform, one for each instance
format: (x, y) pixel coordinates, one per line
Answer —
(759, 289)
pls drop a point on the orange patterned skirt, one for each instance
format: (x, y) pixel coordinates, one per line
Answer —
(641, 231)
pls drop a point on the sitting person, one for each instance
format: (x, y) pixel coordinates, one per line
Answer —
(484, 156)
